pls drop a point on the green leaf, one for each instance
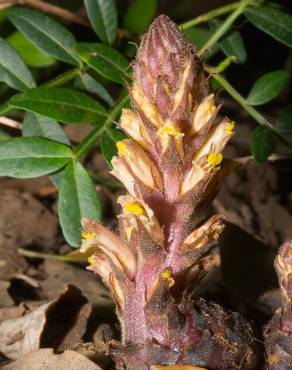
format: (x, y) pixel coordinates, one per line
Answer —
(103, 18)
(4, 135)
(62, 104)
(30, 157)
(108, 143)
(3, 15)
(87, 83)
(46, 34)
(285, 121)
(108, 62)
(37, 125)
(199, 36)
(139, 15)
(13, 71)
(273, 21)
(262, 143)
(32, 56)
(268, 87)
(77, 199)
(232, 44)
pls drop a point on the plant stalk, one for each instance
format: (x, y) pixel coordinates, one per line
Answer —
(55, 257)
(63, 78)
(225, 26)
(210, 15)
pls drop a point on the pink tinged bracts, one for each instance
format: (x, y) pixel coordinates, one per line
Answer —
(171, 166)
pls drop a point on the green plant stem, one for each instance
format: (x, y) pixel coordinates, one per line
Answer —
(225, 26)
(63, 78)
(55, 257)
(259, 118)
(89, 142)
(210, 15)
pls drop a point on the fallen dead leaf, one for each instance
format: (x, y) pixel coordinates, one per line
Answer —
(22, 335)
(176, 367)
(39, 328)
(24, 220)
(60, 274)
(249, 198)
(45, 359)
(66, 324)
(97, 352)
(7, 313)
(5, 298)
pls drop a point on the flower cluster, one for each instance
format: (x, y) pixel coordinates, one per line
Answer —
(171, 166)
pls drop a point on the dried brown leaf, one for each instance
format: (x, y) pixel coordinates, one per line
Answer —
(45, 359)
(28, 333)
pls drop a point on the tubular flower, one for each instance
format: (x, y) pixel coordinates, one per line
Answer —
(171, 166)
(278, 333)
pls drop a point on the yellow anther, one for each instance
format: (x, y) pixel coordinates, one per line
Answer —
(169, 130)
(134, 208)
(230, 127)
(87, 236)
(122, 150)
(215, 159)
(91, 260)
(166, 274)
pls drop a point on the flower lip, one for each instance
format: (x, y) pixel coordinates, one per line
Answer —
(114, 248)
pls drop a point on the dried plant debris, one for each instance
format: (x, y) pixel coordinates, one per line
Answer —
(24, 221)
(278, 333)
(249, 198)
(45, 359)
(172, 167)
(60, 324)
(56, 275)
(5, 298)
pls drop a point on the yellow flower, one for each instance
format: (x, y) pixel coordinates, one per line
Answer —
(204, 112)
(214, 159)
(139, 163)
(134, 209)
(132, 124)
(110, 245)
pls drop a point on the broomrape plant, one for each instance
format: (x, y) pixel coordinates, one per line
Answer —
(171, 164)
(172, 167)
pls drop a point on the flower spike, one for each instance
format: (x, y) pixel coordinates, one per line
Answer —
(171, 166)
